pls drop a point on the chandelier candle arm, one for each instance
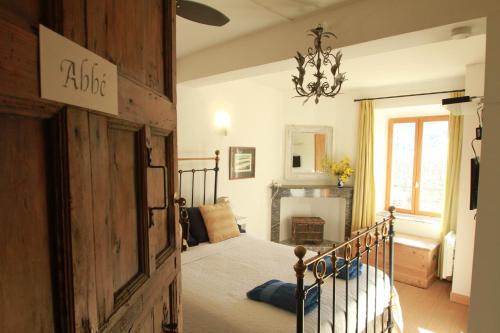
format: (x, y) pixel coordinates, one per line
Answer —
(318, 59)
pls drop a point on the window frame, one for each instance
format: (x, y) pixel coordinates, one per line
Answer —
(417, 159)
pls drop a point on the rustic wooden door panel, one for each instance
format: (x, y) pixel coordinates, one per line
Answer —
(147, 326)
(81, 217)
(118, 165)
(110, 271)
(23, 12)
(163, 308)
(156, 185)
(123, 207)
(128, 217)
(162, 232)
(98, 128)
(154, 45)
(139, 52)
(134, 315)
(25, 265)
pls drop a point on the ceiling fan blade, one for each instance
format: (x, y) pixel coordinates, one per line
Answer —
(200, 13)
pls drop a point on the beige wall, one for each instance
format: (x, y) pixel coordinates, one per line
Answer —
(258, 118)
(466, 225)
(485, 292)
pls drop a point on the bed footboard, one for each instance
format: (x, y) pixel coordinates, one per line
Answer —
(366, 242)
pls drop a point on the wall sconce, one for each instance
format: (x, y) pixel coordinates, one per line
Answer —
(222, 122)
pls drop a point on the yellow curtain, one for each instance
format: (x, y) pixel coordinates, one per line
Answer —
(455, 132)
(363, 212)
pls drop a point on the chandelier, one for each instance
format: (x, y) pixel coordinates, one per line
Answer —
(319, 59)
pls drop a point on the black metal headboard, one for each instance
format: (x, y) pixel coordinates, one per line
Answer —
(184, 219)
(215, 169)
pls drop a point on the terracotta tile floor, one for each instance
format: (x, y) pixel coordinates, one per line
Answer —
(430, 310)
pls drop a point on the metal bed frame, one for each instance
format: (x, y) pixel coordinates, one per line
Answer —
(184, 218)
(205, 171)
(379, 235)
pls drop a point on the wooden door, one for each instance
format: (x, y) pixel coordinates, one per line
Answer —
(87, 199)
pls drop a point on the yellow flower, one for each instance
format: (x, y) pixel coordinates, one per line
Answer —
(341, 169)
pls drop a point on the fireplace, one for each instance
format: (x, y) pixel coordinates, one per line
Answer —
(308, 191)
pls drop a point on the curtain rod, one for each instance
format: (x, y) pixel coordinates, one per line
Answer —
(410, 95)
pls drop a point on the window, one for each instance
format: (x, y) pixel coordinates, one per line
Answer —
(416, 169)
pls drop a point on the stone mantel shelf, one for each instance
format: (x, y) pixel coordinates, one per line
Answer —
(308, 191)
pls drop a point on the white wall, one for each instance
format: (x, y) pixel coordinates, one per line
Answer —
(466, 225)
(259, 114)
(474, 85)
(260, 122)
(256, 114)
(342, 114)
(485, 293)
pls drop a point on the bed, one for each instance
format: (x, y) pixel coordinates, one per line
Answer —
(216, 278)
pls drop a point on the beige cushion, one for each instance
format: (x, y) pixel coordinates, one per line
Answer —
(220, 222)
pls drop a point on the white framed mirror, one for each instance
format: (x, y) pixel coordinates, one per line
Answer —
(305, 149)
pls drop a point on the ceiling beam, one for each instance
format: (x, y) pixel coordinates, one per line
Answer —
(353, 21)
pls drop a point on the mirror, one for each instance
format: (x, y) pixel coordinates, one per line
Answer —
(306, 148)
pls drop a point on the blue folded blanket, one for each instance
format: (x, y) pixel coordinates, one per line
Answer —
(343, 272)
(282, 295)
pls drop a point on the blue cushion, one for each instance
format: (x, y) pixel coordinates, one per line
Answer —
(197, 227)
(282, 295)
(343, 272)
(191, 240)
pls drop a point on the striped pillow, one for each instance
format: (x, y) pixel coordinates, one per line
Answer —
(220, 222)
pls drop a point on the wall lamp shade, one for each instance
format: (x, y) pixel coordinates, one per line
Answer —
(222, 122)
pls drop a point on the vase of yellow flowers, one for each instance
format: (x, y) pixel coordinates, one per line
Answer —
(341, 170)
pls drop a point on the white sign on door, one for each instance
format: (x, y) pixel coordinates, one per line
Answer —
(72, 74)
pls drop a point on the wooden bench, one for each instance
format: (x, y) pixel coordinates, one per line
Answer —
(415, 259)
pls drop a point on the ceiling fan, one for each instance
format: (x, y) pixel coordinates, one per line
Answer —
(198, 12)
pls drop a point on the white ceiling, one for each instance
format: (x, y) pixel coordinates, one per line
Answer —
(246, 16)
(407, 66)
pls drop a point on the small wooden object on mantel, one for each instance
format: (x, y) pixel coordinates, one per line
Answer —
(307, 229)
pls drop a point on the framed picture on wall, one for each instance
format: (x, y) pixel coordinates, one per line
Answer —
(241, 162)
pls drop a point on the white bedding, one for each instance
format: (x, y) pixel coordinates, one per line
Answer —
(216, 278)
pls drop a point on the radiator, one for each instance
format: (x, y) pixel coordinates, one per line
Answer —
(448, 255)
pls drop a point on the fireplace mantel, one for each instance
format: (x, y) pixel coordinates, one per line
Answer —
(308, 191)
